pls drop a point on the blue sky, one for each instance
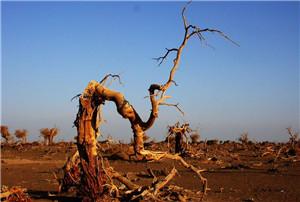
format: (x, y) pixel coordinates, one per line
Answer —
(50, 51)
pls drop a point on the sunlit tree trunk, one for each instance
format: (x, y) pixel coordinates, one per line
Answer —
(92, 179)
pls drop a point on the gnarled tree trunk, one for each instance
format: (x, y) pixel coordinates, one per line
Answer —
(93, 178)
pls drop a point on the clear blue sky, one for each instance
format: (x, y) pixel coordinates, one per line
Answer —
(50, 51)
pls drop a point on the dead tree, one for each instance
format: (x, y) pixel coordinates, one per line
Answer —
(6, 134)
(294, 137)
(48, 134)
(21, 134)
(179, 131)
(157, 92)
(88, 120)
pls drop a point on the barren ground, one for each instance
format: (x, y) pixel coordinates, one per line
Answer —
(235, 172)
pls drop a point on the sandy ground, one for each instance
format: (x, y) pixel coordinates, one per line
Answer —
(234, 172)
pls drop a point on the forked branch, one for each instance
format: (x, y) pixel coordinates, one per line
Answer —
(162, 58)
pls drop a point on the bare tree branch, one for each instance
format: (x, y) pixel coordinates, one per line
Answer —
(174, 83)
(102, 82)
(198, 31)
(161, 59)
(183, 16)
(76, 96)
(162, 183)
(173, 105)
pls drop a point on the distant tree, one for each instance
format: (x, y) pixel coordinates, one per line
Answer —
(21, 134)
(48, 134)
(294, 137)
(6, 134)
(244, 138)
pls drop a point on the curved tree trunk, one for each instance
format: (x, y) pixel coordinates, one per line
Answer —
(127, 111)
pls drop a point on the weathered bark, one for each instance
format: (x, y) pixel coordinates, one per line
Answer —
(127, 111)
(92, 178)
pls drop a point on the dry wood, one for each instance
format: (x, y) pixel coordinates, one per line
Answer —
(165, 181)
(92, 179)
(156, 156)
(5, 194)
(151, 173)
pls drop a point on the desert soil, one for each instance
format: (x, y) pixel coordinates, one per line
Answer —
(235, 172)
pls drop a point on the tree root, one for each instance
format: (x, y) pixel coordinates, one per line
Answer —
(133, 191)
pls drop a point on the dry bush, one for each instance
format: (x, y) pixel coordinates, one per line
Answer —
(21, 134)
(6, 134)
(48, 134)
